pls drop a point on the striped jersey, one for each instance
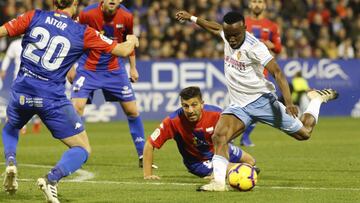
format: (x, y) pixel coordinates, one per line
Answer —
(115, 27)
(193, 139)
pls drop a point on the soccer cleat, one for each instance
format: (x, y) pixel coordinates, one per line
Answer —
(49, 190)
(10, 183)
(246, 143)
(141, 164)
(324, 95)
(213, 186)
(257, 170)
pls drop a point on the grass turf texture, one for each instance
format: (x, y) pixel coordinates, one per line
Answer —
(325, 168)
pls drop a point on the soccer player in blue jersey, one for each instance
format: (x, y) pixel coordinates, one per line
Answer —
(98, 70)
(52, 43)
(191, 126)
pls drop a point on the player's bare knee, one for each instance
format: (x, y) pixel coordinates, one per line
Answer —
(132, 114)
(219, 138)
(79, 108)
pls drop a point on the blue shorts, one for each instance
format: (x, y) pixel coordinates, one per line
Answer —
(266, 109)
(59, 116)
(205, 168)
(115, 85)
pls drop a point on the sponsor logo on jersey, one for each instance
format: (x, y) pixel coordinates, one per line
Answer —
(155, 134)
(22, 100)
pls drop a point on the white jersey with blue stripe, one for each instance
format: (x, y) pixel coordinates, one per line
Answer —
(244, 68)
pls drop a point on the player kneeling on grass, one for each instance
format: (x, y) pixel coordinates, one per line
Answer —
(191, 126)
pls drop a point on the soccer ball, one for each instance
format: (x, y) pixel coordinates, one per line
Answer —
(242, 177)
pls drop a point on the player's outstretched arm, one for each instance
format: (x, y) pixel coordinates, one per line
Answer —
(124, 49)
(3, 32)
(210, 26)
(280, 79)
(148, 160)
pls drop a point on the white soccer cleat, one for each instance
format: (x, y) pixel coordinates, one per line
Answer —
(10, 183)
(213, 186)
(49, 190)
(324, 95)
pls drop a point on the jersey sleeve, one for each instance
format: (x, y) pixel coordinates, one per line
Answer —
(82, 18)
(276, 40)
(161, 134)
(260, 53)
(97, 41)
(130, 29)
(19, 25)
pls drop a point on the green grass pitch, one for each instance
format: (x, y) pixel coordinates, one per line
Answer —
(325, 168)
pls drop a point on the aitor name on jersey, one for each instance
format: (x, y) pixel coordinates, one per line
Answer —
(57, 23)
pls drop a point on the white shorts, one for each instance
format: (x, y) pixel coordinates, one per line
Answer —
(266, 109)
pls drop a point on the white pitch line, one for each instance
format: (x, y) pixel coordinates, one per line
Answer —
(83, 175)
(197, 184)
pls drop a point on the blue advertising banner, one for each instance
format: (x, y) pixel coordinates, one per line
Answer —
(160, 82)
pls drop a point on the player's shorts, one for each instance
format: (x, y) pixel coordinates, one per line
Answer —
(266, 109)
(205, 168)
(58, 115)
(115, 85)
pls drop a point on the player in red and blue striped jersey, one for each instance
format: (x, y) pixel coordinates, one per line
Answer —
(98, 70)
(52, 43)
(191, 127)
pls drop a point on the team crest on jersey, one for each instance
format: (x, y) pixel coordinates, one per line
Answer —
(238, 55)
(22, 100)
(119, 26)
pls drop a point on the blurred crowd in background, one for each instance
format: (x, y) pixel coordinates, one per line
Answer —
(308, 28)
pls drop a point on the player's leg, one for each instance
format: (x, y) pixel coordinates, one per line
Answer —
(238, 155)
(136, 127)
(201, 169)
(228, 127)
(311, 114)
(65, 125)
(245, 138)
(84, 85)
(79, 105)
(18, 113)
(118, 88)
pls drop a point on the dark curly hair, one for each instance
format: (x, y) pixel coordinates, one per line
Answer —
(62, 4)
(190, 92)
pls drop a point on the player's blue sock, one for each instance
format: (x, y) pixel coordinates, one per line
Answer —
(71, 161)
(137, 133)
(10, 137)
(245, 139)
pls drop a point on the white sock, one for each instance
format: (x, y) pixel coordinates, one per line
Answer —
(314, 108)
(220, 164)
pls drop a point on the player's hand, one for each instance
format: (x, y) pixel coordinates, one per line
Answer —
(133, 38)
(292, 110)
(182, 16)
(134, 75)
(152, 177)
